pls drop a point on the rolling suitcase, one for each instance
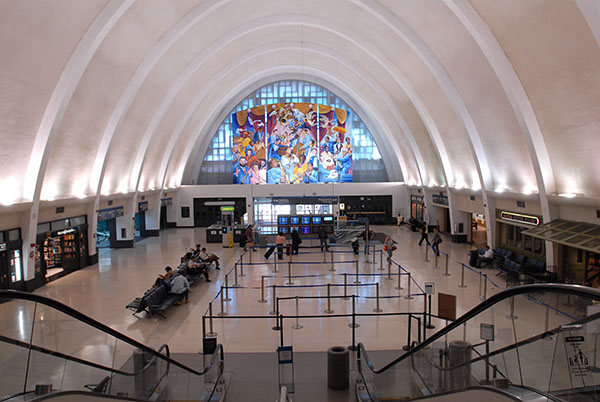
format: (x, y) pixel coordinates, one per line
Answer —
(270, 251)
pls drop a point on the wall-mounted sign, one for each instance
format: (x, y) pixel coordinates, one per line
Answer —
(486, 332)
(521, 218)
(342, 206)
(143, 206)
(440, 199)
(429, 288)
(110, 213)
(227, 209)
(2, 246)
(66, 231)
(165, 202)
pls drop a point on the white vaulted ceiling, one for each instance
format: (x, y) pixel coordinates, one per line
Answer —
(109, 96)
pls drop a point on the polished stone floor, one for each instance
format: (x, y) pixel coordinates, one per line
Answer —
(244, 325)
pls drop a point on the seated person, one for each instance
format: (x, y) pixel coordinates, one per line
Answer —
(196, 252)
(485, 258)
(161, 278)
(180, 286)
(206, 257)
(195, 268)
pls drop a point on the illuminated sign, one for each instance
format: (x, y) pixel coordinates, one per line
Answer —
(66, 231)
(440, 199)
(143, 206)
(2, 246)
(514, 217)
(227, 209)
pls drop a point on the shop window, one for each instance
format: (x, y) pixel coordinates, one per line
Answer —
(511, 234)
(78, 220)
(43, 227)
(519, 240)
(579, 256)
(528, 243)
(14, 234)
(16, 266)
(60, 224)
(538, 246)
(2, 237)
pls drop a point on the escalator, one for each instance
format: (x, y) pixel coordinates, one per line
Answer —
(49, 350)
(531, 343)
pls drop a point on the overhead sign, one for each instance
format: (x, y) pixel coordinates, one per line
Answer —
(143, 206)
(110, 213)
(165, 202)
(514, 217)
(440, 199)
(2, 246)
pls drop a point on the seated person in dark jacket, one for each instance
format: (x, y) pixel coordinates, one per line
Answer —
(195, 268)
(161, 278)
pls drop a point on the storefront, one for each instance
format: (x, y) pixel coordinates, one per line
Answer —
(61, 248)
(510, 230)
(440, 208)
(11, 264)
(416, 207)
(578, 250)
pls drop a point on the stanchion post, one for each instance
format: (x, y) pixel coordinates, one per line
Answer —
(436, 262)
(262, 290)
(399, 287)
(462, 277)
(512, 315)
(547, 319)
(235, 284)
(289, 282)
(357, 281)
(332, 269)
(374, 251)
(427, 253)
(377, 309)
(222, 304)
(446, 273)
(484, 286)
(389, 277)
(325, 255)
(353, 324)
(211, 332)
(274, 311)
(381, 260)
(408, 296)
(329, 310)
(275, 258)
(480, 295)
(227, 298)
(297, 325)
(345, 286)
(407, 346)
(242, 264)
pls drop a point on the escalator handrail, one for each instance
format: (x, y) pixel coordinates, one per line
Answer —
(61, 355)
(63, 308)
(574, 290)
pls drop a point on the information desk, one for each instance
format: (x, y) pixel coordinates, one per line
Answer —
(214, 233)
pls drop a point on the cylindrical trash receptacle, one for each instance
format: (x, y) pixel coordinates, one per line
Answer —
(458, 354)
(338, 367)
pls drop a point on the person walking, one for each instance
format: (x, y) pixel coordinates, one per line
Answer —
(436, 240)
(250, 237)
(424, 235)
(388, 246)
(323, 238)
(279, 242)
(296, 241)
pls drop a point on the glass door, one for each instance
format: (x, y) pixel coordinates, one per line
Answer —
(4, 273)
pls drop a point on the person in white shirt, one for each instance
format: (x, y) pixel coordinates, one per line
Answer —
(180, 286)
(206, 257)
(486, 257)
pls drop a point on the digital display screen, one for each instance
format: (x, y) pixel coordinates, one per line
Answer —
(329, 229)
(328, 219)
(283, 229)
(283, 220)
(316, 220)
(315, 229)
(306, 220)
(305, 229)
(295, 220)
(294, 227)
(224, 230)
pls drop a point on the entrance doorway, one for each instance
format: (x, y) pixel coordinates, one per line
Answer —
(478, 230)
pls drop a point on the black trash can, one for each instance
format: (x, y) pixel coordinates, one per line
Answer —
(338, 368)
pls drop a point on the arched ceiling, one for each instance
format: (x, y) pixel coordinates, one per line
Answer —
(118, 96)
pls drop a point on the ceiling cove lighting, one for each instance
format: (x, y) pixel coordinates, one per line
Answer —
(567, 195)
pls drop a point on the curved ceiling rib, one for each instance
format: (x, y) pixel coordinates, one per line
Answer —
(515, 93)
(235, 92)
(136, 81)
(265, 24)
(414, 41)
(591, 12)
(63, 91)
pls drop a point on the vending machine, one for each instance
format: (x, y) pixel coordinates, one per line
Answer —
(227, 225)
